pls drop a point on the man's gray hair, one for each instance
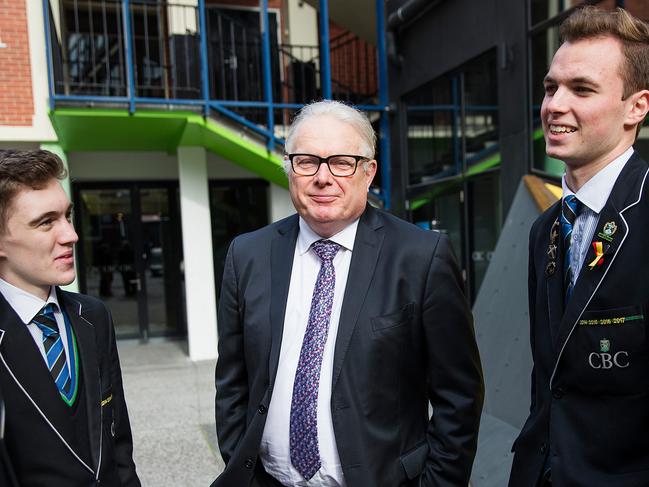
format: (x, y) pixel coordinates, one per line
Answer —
(341, 112)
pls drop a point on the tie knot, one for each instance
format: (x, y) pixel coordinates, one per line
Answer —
(570, 208)
(45, 319)
(572, 203)
(48, 309)
(325, 249)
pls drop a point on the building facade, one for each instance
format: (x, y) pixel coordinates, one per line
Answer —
(466, 85)
(169, 116)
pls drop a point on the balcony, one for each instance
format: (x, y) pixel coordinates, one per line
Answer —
(221, 63)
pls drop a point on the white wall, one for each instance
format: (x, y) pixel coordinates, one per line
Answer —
(147, 166)
(122, 166)
(220, 168)
(303, 26)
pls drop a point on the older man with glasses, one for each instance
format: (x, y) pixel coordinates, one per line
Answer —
(337, 327)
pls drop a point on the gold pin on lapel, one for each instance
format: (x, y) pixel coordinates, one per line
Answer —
(552, 251)
(106, 401)
(554, 232)
(550, 268)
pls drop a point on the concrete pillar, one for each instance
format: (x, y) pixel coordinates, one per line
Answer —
(65, 183)
(200, 293)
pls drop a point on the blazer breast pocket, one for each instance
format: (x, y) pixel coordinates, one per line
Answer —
(611, 354)
(393, 320)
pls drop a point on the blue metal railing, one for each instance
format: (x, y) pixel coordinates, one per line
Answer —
(268, 79)
(145, 68)
(129, 56)
(205, 83)
(325, 65)
(384, 139)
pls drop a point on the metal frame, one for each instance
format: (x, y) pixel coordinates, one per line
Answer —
(223, 107)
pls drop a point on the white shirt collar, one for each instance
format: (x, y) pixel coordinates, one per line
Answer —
(345, 238)
(25, 304)
(597, 189)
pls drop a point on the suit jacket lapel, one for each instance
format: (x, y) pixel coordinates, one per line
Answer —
(282, 251)
(89, 369)
(367, 247)
(24, 362)
(625, 194)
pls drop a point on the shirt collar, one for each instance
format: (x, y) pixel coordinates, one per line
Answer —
(306, 237)
(25, 304)
(597, 189)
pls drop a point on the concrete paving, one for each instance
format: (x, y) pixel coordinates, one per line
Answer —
(171, 406)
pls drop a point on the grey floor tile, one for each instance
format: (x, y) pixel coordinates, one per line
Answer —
(171, 408)
(175, 457)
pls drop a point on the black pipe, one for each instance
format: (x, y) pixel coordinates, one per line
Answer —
(408, 12)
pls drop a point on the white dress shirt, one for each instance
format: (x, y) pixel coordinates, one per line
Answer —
(275, 451)
(593, 195)
(27, 306)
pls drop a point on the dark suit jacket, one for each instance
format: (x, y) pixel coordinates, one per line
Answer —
(590, 382)
(38, 433)
(405, 337)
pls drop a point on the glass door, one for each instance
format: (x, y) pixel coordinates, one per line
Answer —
(130, 255)
(162, 254)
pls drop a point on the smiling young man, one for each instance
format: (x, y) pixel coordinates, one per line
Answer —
(588, 274)
(66, 422)
(337, 326)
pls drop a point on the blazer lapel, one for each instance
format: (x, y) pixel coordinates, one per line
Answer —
(367, 247)
(626, 194)
(282, 251)
(553, 269)
(25, 364)
(89, 369)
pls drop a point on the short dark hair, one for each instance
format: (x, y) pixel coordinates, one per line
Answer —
(633, 33)
(20, 169)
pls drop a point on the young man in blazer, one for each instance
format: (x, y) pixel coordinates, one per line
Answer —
(337, 326)
(588, 270)
(66, 423)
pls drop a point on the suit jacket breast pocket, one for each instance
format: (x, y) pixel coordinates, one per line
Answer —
(611, 354)
(392, 321)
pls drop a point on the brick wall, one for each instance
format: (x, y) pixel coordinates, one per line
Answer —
(16, 103)
(353, 62)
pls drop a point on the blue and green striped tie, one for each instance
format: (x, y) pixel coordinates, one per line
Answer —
(53, 345)
(569, 210)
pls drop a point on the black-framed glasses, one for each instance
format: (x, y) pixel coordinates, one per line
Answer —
(339, 164)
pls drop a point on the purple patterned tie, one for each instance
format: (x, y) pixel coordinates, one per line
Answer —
(305, 455)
